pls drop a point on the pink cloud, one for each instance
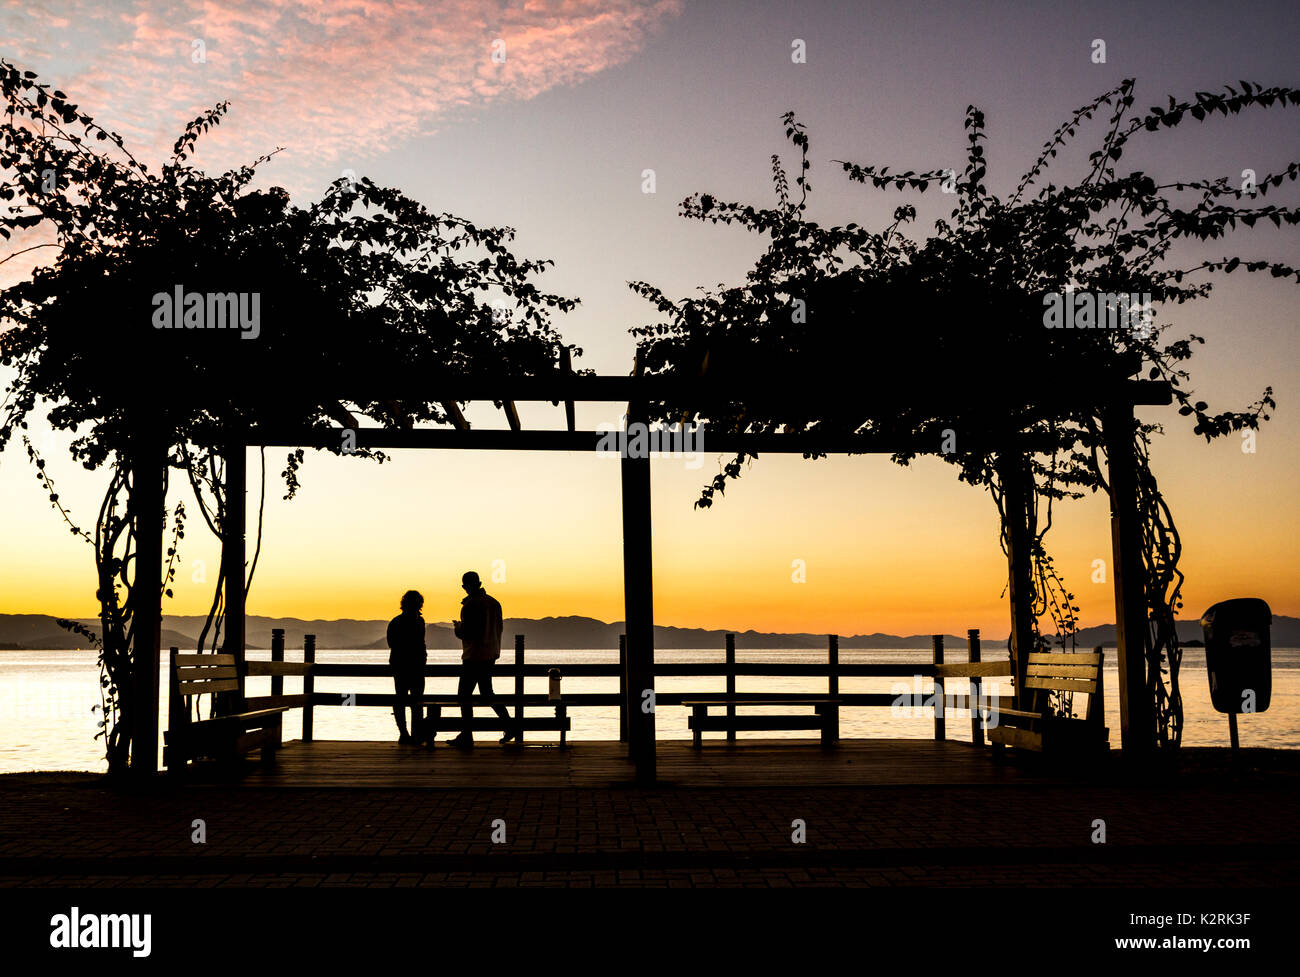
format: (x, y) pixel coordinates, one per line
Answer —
(330, 80)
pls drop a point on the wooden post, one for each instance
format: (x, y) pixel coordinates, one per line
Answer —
(940, 732)
(731, 685)
(1136, 718)
(277, 655)
(519, 682)
(1016, 501)
(232, 550)
(1095, 717)
(148, 474)
(833, 682)
(308, 685)
(622, 688)
(638, 601)
(973, 655)
(177, 716)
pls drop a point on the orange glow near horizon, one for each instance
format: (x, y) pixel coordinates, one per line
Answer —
(882, 548)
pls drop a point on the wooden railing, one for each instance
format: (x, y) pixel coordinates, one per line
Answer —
(974, 670)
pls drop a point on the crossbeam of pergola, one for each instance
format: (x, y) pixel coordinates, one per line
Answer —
(1115, 401)
(812, 392)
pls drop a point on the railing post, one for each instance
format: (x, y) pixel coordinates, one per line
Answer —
(519, 683)
(731, 686)
(939, 730)
(277, 655)
(973, 655)
(308, 684)
(622, 688)
(833, 683)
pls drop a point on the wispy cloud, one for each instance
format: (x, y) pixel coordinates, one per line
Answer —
(329, 80)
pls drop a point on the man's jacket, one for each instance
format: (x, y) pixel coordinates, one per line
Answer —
(480, 627)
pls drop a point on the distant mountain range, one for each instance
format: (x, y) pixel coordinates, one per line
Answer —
(40, 631)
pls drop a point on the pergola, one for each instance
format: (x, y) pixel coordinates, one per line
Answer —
(1115, 402)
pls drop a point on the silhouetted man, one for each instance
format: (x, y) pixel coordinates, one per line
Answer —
(479, 630)
(407, 656)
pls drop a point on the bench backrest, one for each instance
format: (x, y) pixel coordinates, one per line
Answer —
(1067, 672)
(193, 675)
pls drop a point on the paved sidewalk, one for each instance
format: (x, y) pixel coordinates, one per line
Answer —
(85, 834)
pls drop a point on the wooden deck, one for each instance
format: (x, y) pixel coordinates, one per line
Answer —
(749, 763)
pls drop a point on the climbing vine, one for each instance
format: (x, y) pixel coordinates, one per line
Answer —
(848, 310)
(365, 286)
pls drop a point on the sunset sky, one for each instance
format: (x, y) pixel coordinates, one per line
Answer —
(554, 142)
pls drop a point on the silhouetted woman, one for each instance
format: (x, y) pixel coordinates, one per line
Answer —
(407, 656)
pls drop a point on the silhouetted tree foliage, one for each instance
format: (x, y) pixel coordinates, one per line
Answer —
(963, 309)
(364, 291)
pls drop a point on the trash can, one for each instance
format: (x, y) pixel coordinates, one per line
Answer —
(1238, 654)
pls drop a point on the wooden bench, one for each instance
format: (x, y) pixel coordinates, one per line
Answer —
(825, 718)
(1036, 728)
(224, 738)
(434, 722)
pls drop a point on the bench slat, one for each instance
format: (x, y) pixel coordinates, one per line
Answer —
(192, 673)
(1022, 713)
(760, 702)
(1064, 671)
(257, 713)
(1064, 658)
(210, 685)
(239, 718)
(205, 659)
(720, 723)
(1060, 684)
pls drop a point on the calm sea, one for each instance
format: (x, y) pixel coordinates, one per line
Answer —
(46, 720)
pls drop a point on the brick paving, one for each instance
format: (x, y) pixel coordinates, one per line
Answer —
(84, 834)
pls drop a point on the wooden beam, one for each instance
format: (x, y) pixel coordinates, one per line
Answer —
(342, 415)
(1136, 716)
(700, 391)
(512, 415)
(148, 471)
(399, 414)
(638, 603)
(452, 410)
(566, 367)
(232, 550)
(503, 440)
